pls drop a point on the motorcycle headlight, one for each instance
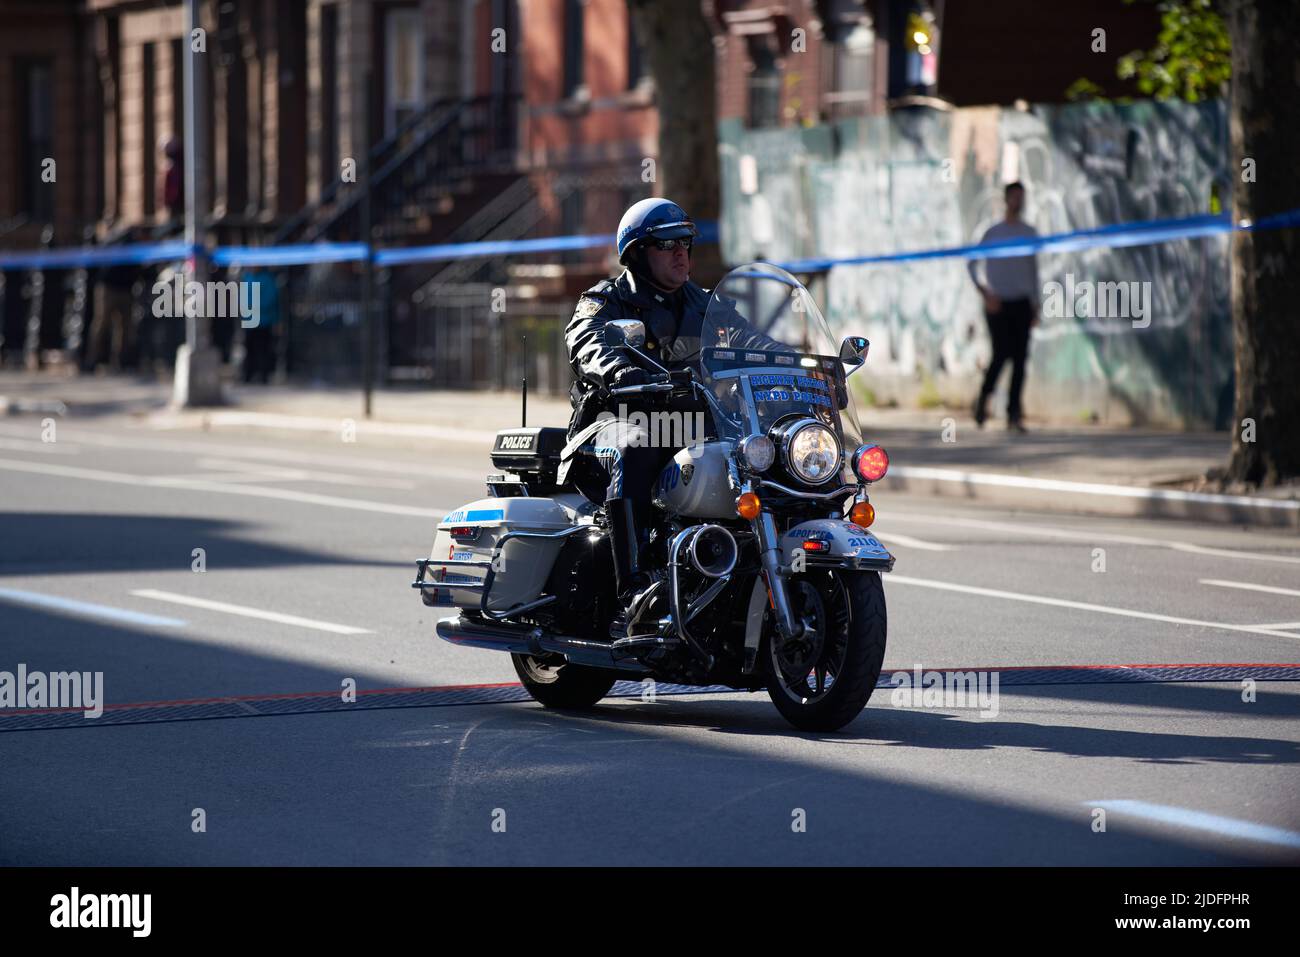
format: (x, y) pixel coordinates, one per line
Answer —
(812, 453)
(757, 452)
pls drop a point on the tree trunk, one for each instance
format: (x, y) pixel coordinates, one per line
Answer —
(677, 44)
(1265, 128)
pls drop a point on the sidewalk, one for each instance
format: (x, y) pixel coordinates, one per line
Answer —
(1082, 469)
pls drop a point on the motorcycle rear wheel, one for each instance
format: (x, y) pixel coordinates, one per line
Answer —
(822, 682)
(566, 687)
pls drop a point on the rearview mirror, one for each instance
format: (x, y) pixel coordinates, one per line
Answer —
(853, 353)
(625, 332)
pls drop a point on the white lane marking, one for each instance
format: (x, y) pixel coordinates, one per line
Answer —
(246, 612)
(1090, 488)
(907, 541)
(367, 464)
(221, 471)
(309, 498)
(1201, 821)
(85, 609)
(1080, 605)
(1029, 528)
(223, 478)
(1231, 553)
(49, 448)
(283, 474)
(304, 423)
(73, 471)
(1251, 586)
(1282, 626)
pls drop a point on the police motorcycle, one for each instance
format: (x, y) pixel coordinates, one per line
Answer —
(766, 574)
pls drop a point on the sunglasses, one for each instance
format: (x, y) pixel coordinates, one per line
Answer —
(668, 245)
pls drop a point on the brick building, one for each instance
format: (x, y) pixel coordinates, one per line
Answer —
(48, 83)
(95, 85)
(482, 120)
(801, 62)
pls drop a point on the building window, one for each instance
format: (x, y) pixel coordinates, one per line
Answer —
(921, 43)
(503, 65)
(635, 68)
(764, 108)
(405, 55)
(574, 75)
(149, 124)
(852, 65)
(329, 95)
(178, 89)
(572, 216)
(233, 146)
(36, 140)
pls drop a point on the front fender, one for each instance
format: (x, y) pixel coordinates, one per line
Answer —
(845, 546)
(834, 543)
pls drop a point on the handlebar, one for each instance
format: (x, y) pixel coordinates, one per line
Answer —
(650, 388)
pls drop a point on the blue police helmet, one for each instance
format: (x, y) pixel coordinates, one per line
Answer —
(652, 219)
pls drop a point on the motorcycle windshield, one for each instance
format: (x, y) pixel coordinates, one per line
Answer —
(768, 355)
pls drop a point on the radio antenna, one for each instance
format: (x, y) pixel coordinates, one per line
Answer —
(523, 414)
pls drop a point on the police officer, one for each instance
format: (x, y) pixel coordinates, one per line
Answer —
(654, 243)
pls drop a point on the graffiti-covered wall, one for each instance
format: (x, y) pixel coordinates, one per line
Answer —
(921, 179)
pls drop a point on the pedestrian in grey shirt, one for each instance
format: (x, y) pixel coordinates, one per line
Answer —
(1011, 295)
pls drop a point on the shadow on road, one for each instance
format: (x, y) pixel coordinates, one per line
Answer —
(1196, 697)
(630, 784)
(427, 786)
(882, 725)
(56, 543)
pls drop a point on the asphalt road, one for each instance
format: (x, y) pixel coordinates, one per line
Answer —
(98, 532)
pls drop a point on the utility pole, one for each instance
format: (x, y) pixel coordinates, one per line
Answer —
(198, 366)
(368, 264)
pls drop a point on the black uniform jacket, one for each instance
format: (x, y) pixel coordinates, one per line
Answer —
(673, 322)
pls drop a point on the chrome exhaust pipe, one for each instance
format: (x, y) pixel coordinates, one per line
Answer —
(712, 550)
(531, 640)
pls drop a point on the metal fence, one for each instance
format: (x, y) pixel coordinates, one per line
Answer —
(468, 335)
(474, 337)
(464, 323)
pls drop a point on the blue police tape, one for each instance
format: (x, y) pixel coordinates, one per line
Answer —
(422, 254)
(1120, 234)
(82, 256)
(297, 255)
(307, 253)
(396, 257)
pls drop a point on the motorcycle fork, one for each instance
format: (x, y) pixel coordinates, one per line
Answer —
(769, 550)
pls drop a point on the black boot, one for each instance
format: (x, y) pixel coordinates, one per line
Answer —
(624, 542)
(634, 585)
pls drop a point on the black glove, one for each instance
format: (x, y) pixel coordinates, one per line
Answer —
(681, 380)
(630, 375)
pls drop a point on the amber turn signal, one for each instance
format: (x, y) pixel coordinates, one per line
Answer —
(862, 514)
(747, 506)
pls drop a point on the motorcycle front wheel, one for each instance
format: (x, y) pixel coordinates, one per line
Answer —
(822, 680)
(563, 686)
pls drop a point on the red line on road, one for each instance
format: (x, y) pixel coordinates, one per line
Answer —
(264, 697)
(515, 684)
(1185, 664)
